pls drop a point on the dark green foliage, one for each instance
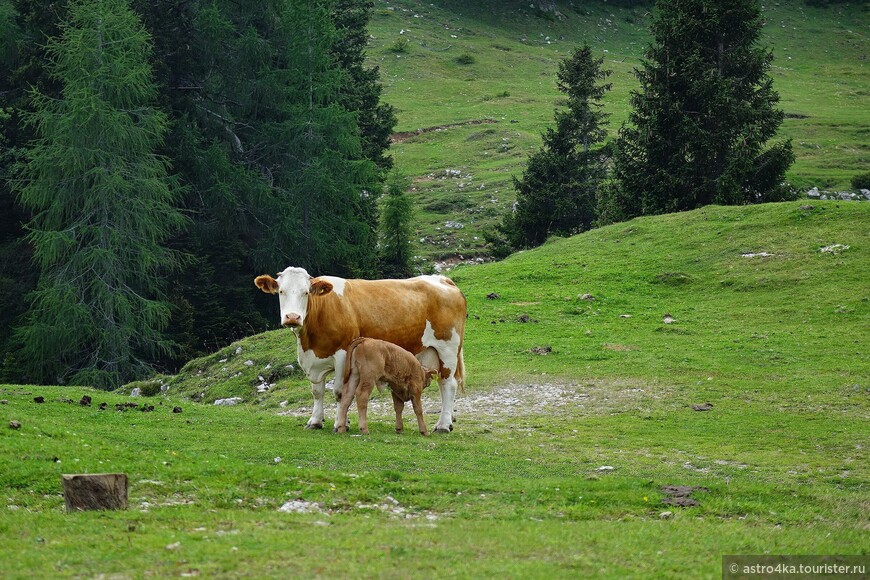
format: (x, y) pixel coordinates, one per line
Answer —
(278, 138)
(102, 206)
(464, 58)
(362, 91)
(705, 110)
(397, 214)
(327, 188)
(861, 181)
(558, 191)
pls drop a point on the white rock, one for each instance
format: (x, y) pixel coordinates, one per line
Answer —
(239, 350)
(249, 363)
(606, 468)
(228, 402)
(137, 392)
(298, 506)
(834, 249)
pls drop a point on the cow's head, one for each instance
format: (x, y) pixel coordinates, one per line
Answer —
(293, 287)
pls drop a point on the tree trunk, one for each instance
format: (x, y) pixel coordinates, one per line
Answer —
(100, 491)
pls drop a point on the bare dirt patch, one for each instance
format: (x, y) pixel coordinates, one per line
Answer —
(405, 135)
(526, 399)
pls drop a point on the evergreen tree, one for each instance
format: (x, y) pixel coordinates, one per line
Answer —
(557, 193)
(362, 92)
(102, 206)
(212, 83)
(705, 110)
(324, 187)
(397, 214)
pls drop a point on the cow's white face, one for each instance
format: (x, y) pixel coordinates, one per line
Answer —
(293, 287)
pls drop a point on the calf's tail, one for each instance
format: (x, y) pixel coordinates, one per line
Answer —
(348, 360)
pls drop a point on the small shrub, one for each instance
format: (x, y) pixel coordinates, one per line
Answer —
(464, 58)
(861, 181)
(401, 45)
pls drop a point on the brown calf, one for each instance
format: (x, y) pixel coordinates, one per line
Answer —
(375, 362)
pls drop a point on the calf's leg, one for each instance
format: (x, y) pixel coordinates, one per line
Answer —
(347, 393)
(363, 392)
(399, 406)
(417, 402)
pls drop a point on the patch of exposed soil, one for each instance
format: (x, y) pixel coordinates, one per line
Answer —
(678, 495)
(405, 135)
(515, 400)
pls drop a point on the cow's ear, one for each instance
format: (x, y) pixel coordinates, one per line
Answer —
(320, 287)
(267, 284)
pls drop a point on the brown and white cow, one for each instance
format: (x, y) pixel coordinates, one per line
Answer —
(424, 315)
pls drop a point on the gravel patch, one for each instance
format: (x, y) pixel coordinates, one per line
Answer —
(518, 400)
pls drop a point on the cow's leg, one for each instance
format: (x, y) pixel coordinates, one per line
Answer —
(363, 393)
(417, 402)
(399, 406)
(338, 386)
(448, 394)
(449, 356)
(316, 420)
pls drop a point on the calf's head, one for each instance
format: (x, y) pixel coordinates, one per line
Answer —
(428, 375)
(294, 287)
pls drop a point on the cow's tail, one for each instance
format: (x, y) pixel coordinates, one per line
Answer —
(460, 372)
(348, 359)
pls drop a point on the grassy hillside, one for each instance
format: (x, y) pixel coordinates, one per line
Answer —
(795, 318)
(558, 463)
(485, 78)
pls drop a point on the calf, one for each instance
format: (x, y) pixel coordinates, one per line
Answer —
(375, 362)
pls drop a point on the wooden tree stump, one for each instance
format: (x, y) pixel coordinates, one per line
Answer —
(98, 491)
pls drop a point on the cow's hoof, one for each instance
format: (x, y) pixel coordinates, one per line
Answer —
(440, 430)
(314, 426)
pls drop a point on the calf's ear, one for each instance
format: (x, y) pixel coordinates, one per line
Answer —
(267, 284)
(320, 287)
(429, 374)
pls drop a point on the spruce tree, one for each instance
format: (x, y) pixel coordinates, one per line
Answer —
(362, 92)
(397, 213)
(558, 190)
(102, 205)
(325, 189)
(704, 111)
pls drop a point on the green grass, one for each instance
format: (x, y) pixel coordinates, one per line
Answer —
(820, 72)
(775, 344)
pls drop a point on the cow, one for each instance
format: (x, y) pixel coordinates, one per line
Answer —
(372, 362)
(424, 315)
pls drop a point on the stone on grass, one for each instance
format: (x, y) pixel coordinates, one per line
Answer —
(229, 401)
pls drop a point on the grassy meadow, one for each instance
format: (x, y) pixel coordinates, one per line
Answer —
(480, 86)
(577, 415)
